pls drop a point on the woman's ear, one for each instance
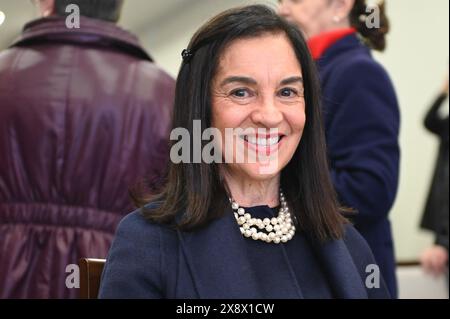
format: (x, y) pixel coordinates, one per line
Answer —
(46, 7)
(342, 9)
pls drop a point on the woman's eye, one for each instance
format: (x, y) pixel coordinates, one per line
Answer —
(241, 93)
(288, 92)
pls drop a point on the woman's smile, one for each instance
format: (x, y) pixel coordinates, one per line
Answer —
(265, 144)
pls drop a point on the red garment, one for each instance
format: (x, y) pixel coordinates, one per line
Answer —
(320, 43)
(84, 113)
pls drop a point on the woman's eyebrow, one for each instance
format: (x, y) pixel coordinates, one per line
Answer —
(250, 81)
(291, 80)
(240, 79)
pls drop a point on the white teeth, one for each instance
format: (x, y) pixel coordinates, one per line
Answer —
(252, 140)
(273, 140)
(263, 141)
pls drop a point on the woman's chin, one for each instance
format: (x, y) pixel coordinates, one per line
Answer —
(261, 171)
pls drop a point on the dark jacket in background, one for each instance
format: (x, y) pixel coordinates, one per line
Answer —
(84, 113)
(362, 127)
(435, 217)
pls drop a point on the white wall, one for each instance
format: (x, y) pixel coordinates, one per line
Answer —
(417, 59)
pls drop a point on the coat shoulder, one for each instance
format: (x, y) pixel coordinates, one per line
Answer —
(359, 68)
(354, 240)
(141, 229)
(136, 263)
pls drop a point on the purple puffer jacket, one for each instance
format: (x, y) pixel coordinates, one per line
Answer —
(84, 114)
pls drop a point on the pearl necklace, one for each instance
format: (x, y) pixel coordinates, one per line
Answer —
(275, 230)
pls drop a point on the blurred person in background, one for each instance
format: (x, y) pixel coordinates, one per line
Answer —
(435, 218)
(361, 112)
(84, 114)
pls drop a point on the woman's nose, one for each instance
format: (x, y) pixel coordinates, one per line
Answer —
(267, 115)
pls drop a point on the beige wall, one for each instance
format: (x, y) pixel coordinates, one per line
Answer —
(417, 59)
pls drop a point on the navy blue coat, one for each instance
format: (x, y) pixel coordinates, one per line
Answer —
(362, 126)
(147, 260)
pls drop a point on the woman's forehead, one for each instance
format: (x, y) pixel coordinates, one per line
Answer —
(267, 55)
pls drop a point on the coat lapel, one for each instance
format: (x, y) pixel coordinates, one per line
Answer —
(220, 266)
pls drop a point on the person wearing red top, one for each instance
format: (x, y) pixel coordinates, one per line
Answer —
(361, 112)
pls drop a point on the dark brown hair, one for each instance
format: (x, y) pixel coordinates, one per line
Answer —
(194, 193)
(375, 37)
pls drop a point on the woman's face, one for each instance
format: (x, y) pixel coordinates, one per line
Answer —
(311, 16)
(258, 88)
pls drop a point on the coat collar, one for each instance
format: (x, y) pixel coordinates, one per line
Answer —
(221, 269)
(353, 42)
(91, 31)
(322, 42)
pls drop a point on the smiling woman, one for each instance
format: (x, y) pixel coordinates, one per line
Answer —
(246, 70)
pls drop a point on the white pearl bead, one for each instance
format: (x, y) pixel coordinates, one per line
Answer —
(234, 205)
(269, 228)
(241, 220)
(284, 239)
(255, 236)
(289, 236)
(248, 233)
(279, 233)
(248, 216)
(276, 227)
(246, 226)
(253, 230)
(271, 235)
(274, 221)
(266, 221)
(276, 240)
(241, 211)
(242, 230)
(264, 236)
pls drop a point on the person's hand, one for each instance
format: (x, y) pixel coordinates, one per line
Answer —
(434, 260)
